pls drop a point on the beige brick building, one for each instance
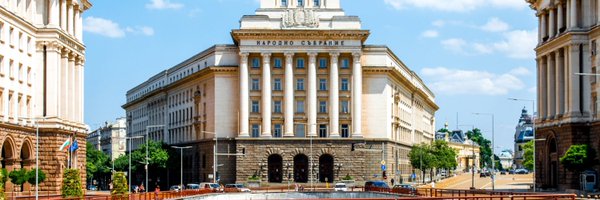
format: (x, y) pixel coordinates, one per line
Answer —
(297, 88)
(41, 85)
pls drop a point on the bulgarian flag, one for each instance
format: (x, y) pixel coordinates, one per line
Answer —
(65, 145)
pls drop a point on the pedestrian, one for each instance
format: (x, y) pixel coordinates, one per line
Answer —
(156, 191)
(142, 188)
(392, 182)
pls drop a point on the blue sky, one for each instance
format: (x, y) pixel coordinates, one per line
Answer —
(474, 54)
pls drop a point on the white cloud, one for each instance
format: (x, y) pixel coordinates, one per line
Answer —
(163, 4)
(482, 48)
(454, 44)
(112, 29)
(458, 82)
(103, 27)
(495, 25)
(430, 34)
(518, 44)
(455, 5)
(520, 71)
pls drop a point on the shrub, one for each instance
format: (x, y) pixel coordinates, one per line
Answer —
(578, 157)
(119, 184)
(2, 178)
(348, 177)
(71, 185)
(18, 177)
(31, 175)
(254, 178)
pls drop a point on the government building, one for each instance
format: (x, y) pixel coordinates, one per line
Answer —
(299, 96)
(568, 88)
(42, 58)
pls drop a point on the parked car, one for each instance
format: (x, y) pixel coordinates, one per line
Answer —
(376, 186)
(404, 189)
(213, 186)
(236, 188)
(503, 172)
(512, 171)
(485, 174)
(340, 187)
(521, 171)
(175, 188)
(193, 186)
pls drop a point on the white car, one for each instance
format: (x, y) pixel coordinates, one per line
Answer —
(340, 187)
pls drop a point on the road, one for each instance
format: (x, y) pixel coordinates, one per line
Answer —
(503, 182)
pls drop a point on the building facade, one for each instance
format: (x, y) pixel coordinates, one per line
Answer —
(110, 138)
(41, 85)
(295, 91)
(467, 151)
(523, 134)
(506, 159)
(567, 100)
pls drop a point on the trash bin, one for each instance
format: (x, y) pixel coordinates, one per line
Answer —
(588, 180)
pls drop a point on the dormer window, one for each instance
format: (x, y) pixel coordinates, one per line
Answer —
(317, 3)
(300, 3)
(284, 3)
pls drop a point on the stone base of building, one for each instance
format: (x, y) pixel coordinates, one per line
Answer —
(18, 143)
(552, 143)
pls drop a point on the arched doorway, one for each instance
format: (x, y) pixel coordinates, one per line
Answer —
(26, 155)
(301, 168)
(275, 167)
(552, 149)
(7, 153)
(326, 168)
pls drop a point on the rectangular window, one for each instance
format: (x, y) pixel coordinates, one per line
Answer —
(323, 131)
(323, 63)
(300, 84)
(277, 106)
(345, 63)
(11, 72)
(300, 63)
(11, 38)
(20, 73)
(284, 3)
(20, 41)
(345, 107)
(255, 130)
(300, 130)
(345, 131)
(255, 107)
(256, 63)
(255, 84)
(1, 32)
(29, 45)
(323, 107)
(323, 84)
(1, 65)
(277, 84)
(317, 3)
(345, 85)
(29, 75)
(300, 2)
(277, 63)
(299, 106)
(277, 130)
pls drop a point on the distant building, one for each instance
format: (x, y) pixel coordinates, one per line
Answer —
(467, 150)
(506, 159)
(110, 138)
(523, 134)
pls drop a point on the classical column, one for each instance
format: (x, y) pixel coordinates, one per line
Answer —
(52, 82)
(541, 88)
(540, 35)
(78, 93)
(312, 94)
(586, 83)
(70, 17)
(63, 14)
(574, 106)
(597, 12)
(71, 92)
(544, 26)
(356, 95)
(561, 19)
(560, 81)
(266, 95)
(289, 95)
(63, 91)
(77, 23)
(244, 96)
(552, 24)
(334, 96)
(573, 14)
(551, 86)
(81, 89)
(567, 80)
(544, 87)
(568, 14)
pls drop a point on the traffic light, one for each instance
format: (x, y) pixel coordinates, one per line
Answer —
(352, 147)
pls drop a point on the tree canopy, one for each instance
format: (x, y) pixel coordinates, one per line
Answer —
(485, 147)
(97, 163)
(578, 157)
(528, 155)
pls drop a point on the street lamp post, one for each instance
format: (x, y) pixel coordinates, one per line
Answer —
(147, 144)
(493, 152)
(473, 161)
(215, 159)
(181, 162)
(533, 132)
(37, 153)
(129, 168)
(310, 162)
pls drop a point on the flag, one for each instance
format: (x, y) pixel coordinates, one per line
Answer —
(65, 145)
(74, 147)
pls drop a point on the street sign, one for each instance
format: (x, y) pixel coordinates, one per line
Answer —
(382, 162)
(383, 167)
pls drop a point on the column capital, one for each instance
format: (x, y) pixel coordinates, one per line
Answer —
(312, 54)
(289, 54)
(244, 54)
(357, 55)
(265, 54)
(334, 54)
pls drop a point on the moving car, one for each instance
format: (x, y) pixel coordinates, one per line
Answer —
(404, 189)
(485, 174)
(376, 186)
(340, 187)
(193, 186)
(236, 188)
(175, 188)
(521, 171)
(213, 186)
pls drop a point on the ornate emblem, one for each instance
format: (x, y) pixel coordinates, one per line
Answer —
(300, 17)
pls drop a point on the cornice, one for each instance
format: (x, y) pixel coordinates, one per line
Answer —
(243, 34)
(569, 37)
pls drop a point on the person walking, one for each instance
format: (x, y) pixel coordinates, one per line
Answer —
(392, 182)
(156, 191)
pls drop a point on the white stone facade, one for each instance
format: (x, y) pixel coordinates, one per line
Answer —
(110, 138)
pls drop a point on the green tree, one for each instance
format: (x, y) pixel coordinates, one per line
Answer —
(485, 147)
(578, 157)
(157, 155)
(445, 156)
(31, 175)
(97, 163)
(71, 185)
(122, 163)
(119, 184)
(528, 155)
(18, 177)
(2, 178)
(421, 157)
